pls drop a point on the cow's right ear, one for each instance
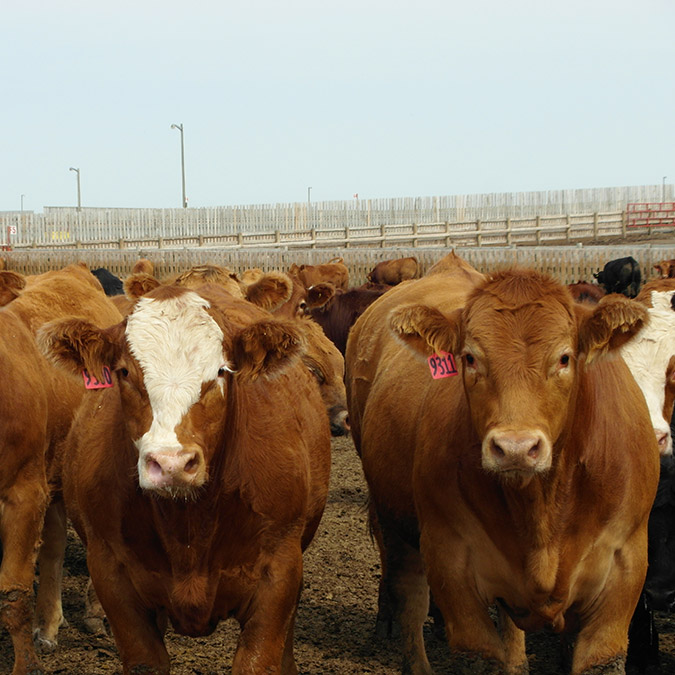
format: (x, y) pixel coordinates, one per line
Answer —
(270, 290)
(426, 330)
(11, 284)
(139, 284)
(319, 294)
(76, 345)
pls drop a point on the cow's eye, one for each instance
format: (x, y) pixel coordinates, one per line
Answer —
(470, 359)
(564, 360)
(123, 372)
(221, 371)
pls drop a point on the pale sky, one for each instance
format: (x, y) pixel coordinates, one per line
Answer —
(380, 98)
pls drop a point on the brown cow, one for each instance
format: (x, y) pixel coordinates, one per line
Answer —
(393, 272)
(522, 476)
(666, 269)
(337, 313)
(334, 272)
(143, 265)
(37, 403)
(210, 274)
(194, 485)
(585, 291)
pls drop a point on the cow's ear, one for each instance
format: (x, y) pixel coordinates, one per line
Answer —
(319, 294)
(609, 325)
(76, 345)
(270, 291)
(137, 285)
(266, 348)
(426, 330)
(11, 284)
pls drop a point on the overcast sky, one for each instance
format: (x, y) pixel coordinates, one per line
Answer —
(379, 98)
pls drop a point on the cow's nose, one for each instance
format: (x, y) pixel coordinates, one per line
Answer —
(516, 450)
(663, 439)
(172, 469)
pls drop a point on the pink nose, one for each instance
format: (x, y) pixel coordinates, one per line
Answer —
(172, 469)
(663, 439)
(516, 451)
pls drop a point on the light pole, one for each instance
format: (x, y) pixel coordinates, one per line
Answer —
(182, 160)
(663, 189)
(309, 190)
(22, 196)
(79, 198)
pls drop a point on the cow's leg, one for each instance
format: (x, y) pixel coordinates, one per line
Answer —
(48, 608)
(403, 602)
(266, 640)
(21, 521)
(137, 631)
(94, 616)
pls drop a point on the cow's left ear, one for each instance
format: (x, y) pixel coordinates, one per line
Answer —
(270, 291)
(11, 285)
(426, 330)
(319, 294)
(266, 348)
(138, 284)
(609, 325)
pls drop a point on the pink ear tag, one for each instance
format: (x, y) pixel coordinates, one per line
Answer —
(442, 365)
(91, 382)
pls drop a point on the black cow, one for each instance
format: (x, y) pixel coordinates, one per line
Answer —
(112, 285)
(658, 593)
(622, 275)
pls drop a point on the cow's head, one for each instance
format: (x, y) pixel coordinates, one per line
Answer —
(649, 356)
(175, 361)
(520, 340)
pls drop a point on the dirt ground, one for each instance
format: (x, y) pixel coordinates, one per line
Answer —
(335, 627)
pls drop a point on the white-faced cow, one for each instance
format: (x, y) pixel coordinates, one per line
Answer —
(194, 483)
(508, 460)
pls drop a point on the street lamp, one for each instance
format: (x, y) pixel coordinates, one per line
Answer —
(309, 190)
(79, 199)
(663, 189)
(182, 160)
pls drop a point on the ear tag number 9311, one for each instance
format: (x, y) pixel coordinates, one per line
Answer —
(442, 365)
(92, 382)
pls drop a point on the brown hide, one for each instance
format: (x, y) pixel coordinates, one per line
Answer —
(36, 409)
(337, 314)
(143, 265)
(584, 291)
(665, 269)
(334, 272)
(233, 546)
(393, 272)
(526, 479)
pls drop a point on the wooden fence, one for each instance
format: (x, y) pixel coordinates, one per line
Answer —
(531, 231)
(69, 225)
(566, 263)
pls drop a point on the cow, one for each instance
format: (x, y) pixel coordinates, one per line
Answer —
(495, 477)
(334, 272)
(143, 265)
(658, 593)
(204, 274)
(665, 269)
(585, 291)
(37, 403)
(337, 313)
(649, 355)
(112, 285)
(622, 275)
(393, 272)
(193, 484)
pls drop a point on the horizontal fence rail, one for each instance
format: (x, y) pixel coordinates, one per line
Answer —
(568, 264)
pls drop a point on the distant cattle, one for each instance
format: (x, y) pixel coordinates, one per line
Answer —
(37, 403)
(665, 269)
(210, 274)
(494, 474)
(584, 291)
(192, 481)
(143, 265)
(649, 355)
(334, 272)
(393, 272)
(337, 314)
(659, 589)
(111, 284)
(622, 275)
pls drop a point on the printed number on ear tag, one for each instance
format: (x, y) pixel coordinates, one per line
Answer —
(91, 382)
(442, 365)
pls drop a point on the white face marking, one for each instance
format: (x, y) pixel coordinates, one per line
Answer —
(647, 355)
(178, 347)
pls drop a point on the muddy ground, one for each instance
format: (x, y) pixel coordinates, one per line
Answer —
(336, 616)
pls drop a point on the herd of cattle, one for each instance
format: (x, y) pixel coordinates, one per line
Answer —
(514, 432)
